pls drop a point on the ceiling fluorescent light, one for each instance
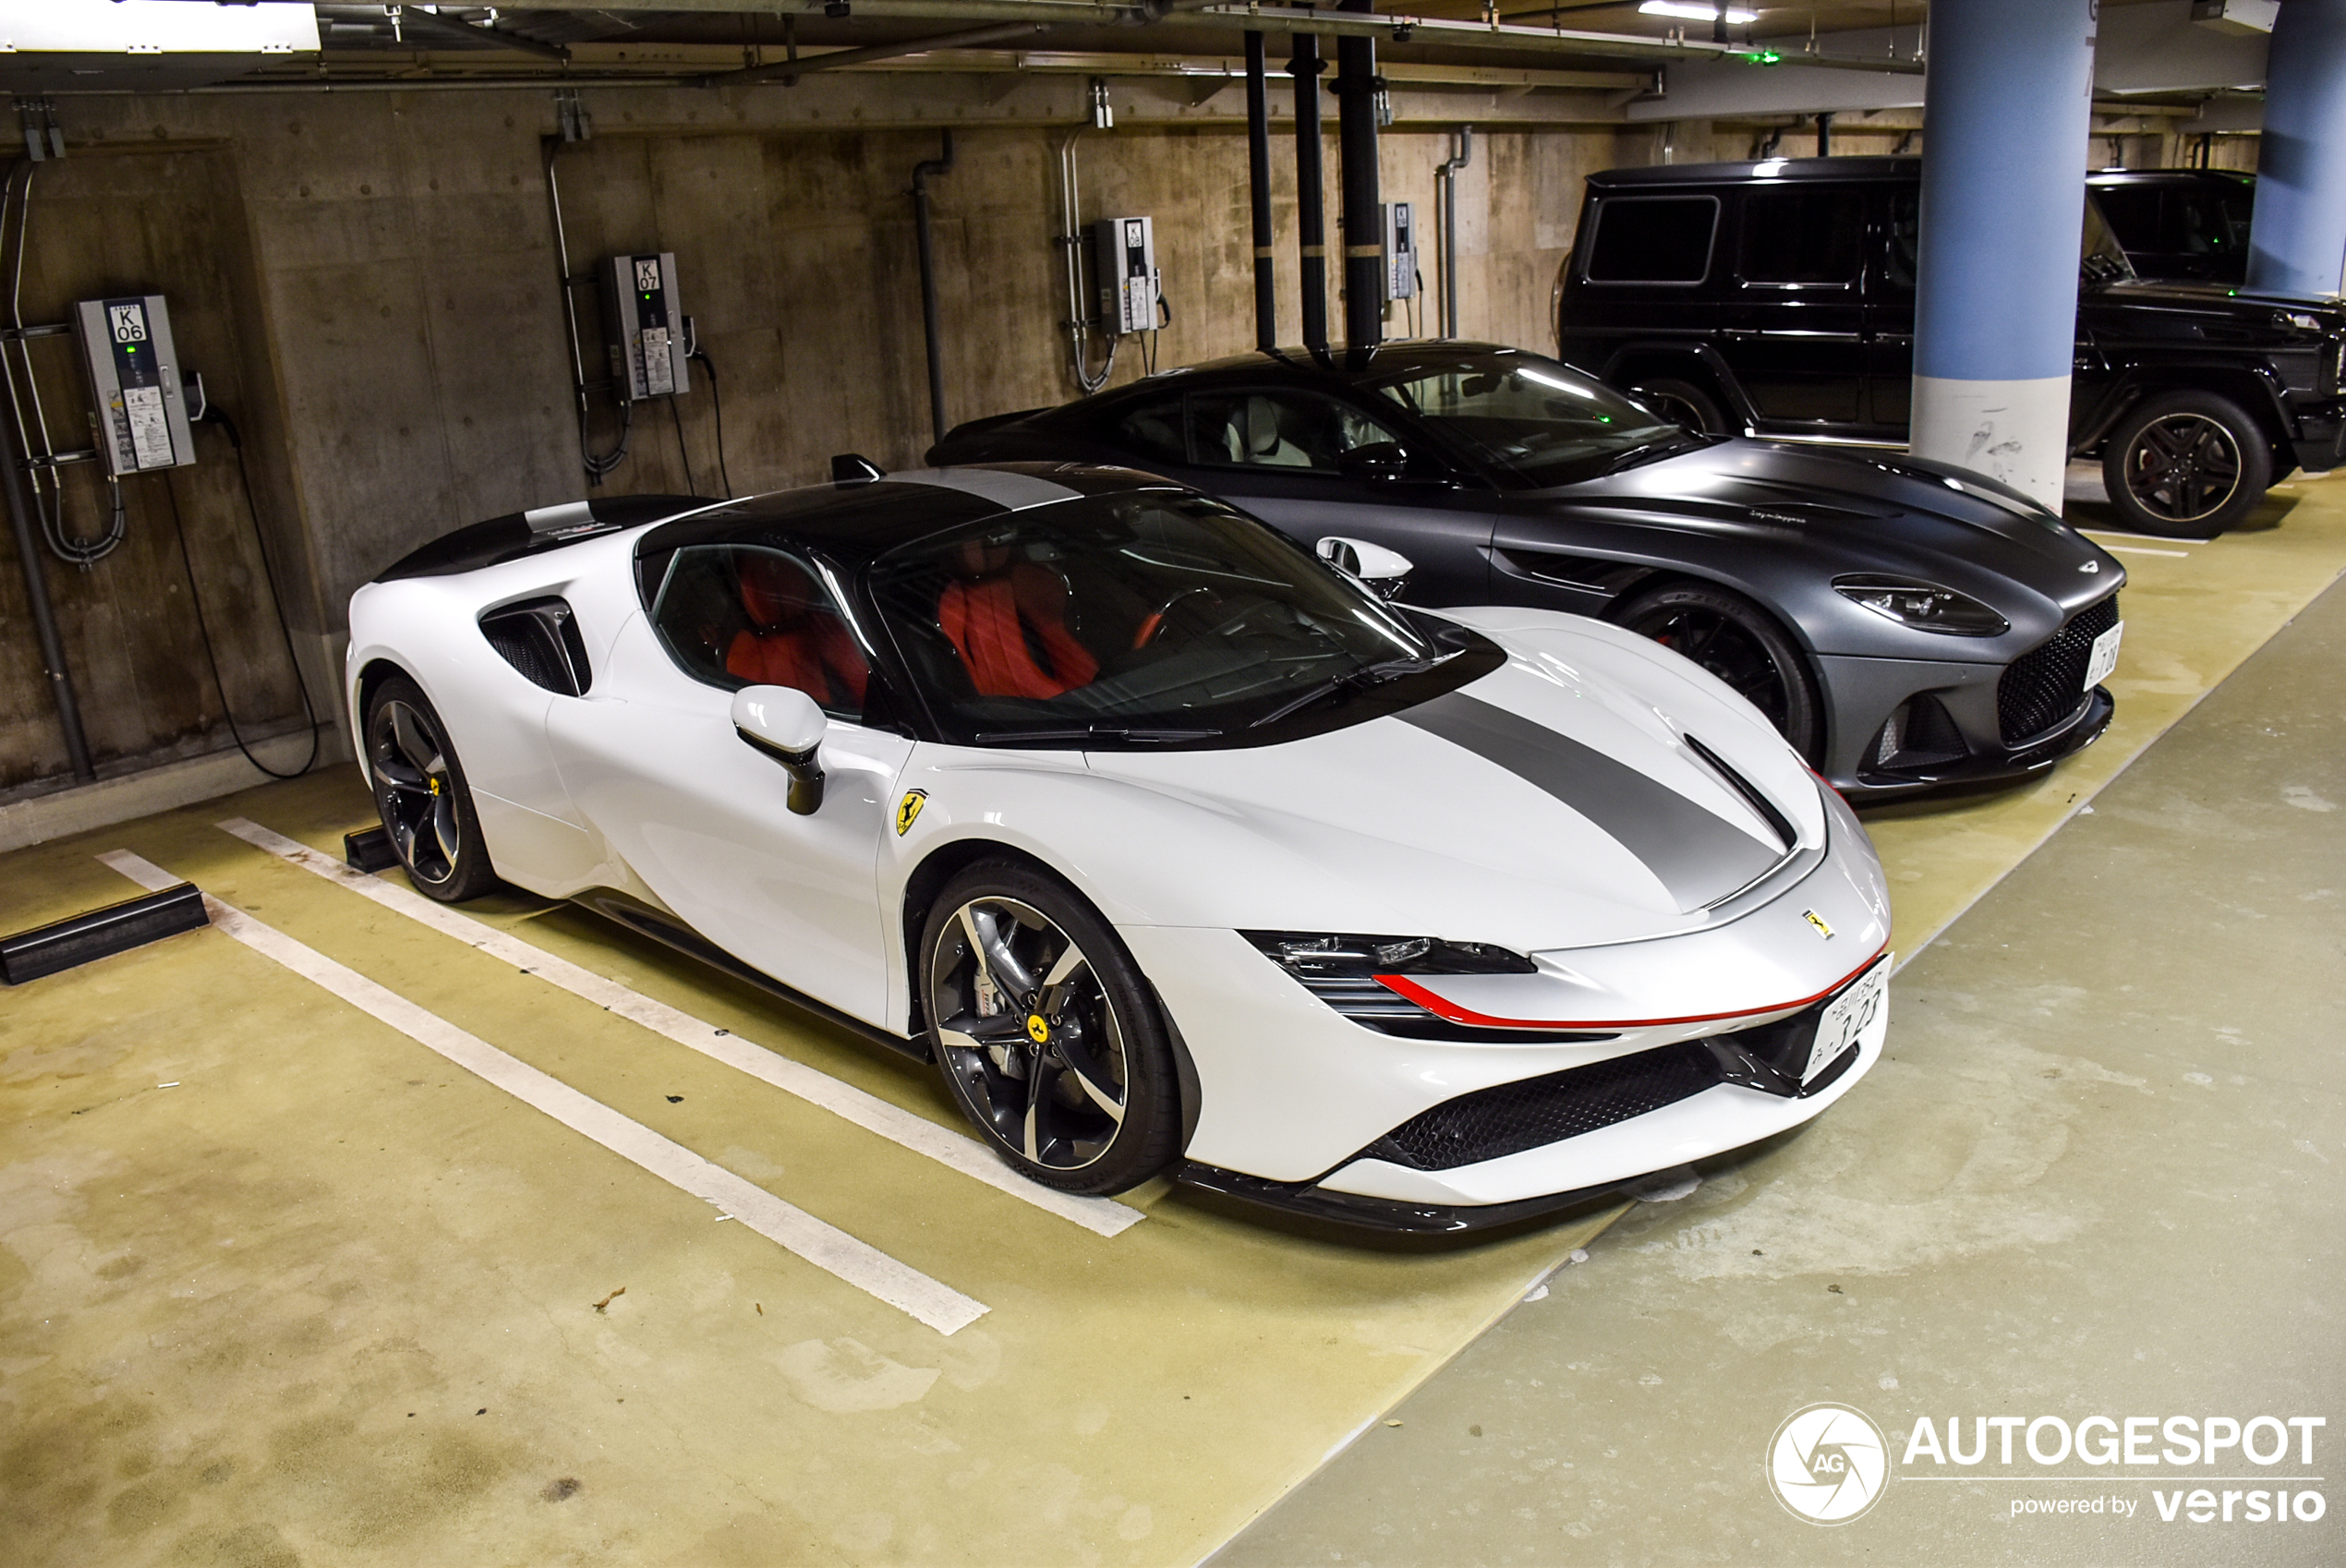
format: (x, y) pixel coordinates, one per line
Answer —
(1695, 11)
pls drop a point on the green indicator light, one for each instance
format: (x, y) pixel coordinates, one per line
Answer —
(1763, 58)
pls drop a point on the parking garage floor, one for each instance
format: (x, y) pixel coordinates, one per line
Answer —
(331, 1235)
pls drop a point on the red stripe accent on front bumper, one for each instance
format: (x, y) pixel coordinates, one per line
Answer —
(1402, 984)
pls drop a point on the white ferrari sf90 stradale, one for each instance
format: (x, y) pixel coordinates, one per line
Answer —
(1173, 846)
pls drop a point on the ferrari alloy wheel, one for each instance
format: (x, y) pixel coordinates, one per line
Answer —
(1046, 1036)
(1740, 644)
(420, 793)
(2189, 464)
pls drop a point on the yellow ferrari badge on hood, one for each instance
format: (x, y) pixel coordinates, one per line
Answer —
(1818, 921)
(908, 810)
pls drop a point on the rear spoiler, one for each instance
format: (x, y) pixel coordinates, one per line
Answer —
(518, 534)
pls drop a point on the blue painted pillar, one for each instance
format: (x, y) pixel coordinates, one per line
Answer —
(2297, 244)
(2007, 96)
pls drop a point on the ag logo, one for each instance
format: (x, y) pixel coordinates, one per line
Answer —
(908, 810)
(1828, 1464)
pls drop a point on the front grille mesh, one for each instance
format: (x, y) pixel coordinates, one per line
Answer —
(2046, 684)
(1511, 1117)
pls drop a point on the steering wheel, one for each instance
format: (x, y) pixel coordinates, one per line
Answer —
(1154, 623)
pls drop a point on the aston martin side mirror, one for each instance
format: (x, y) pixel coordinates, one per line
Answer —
(1381, 571)
(784, 723)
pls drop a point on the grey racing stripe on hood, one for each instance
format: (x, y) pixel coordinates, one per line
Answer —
(1698, 856)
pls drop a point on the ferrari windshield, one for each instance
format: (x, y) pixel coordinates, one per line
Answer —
(1140, 619)
(1535, 421)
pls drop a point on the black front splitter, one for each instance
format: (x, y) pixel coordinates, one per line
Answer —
(1384, 1213)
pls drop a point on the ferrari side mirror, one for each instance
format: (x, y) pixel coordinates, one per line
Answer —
(784, 723)
(1381, 571)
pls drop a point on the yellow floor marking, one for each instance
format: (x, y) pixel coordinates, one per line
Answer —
(1102, 1216)
(2190, 622)
(795, 1231)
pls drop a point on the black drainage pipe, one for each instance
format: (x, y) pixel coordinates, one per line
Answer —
(1363, 223)
(1258, 173)
(1311, 199)
(921, 173)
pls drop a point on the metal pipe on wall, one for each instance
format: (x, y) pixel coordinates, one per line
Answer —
(1362, 218)
(1258, 171)
(921, 173)
(1310, 197)
(44, 615)
(1447, 172)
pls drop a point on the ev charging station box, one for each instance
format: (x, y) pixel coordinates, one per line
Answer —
(1400, 250)
(137, 405)
(646, 323)
(1124, 259)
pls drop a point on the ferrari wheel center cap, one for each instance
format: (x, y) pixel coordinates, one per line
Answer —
(1038, 1028)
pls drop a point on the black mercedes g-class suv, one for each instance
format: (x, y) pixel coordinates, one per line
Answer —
(2188, 224)
(1778, 299)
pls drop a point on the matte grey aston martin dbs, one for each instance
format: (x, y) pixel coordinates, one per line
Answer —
(1907, 624)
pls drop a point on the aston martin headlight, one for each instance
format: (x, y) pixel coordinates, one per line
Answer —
(1308, 954)
(1926, 607)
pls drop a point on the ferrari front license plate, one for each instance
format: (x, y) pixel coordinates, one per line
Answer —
(1848, 1016)
(2099, 667)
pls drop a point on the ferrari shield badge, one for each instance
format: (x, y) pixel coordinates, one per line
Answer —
(908, 811)
(1812, 916)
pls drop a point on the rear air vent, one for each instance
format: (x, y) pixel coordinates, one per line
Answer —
(540, 638)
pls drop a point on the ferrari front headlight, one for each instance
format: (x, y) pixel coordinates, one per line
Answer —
(1308, 954)
(1926, 607)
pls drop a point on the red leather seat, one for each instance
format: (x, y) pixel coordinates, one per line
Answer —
(1011, 629)
(793, 638)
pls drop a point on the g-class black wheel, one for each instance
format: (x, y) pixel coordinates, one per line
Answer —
(1046, 1035)
(420, 794)
(1742, 645)
(2186, 464)
(1683, 401)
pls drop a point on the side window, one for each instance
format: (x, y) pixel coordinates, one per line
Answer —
(1153, 430)
(1905, 225)
(749, 615)
(1653, 239)
(1802, 236)
(1279, 429)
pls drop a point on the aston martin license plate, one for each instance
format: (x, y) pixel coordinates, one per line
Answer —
(2104, 660)
(1849, 1016)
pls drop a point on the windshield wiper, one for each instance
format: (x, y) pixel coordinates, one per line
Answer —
(1089, 733)
(1646, 452)
(1358, 680)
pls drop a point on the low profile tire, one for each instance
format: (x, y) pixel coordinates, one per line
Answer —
(1046, 1035)
(421, 795)
(1742, 645)
(1689, 405)
(2186, 464)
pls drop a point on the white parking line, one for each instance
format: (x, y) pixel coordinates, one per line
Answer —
(829, 1249)
(1102, 1216)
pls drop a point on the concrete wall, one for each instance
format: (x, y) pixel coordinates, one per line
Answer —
(368, 281)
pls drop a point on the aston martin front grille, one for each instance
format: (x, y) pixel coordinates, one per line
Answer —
(2046, 684)
(1510, 1117)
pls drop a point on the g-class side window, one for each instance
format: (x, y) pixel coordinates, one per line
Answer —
(1652, 239)
(1813, 236)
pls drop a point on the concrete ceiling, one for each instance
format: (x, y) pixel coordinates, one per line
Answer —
(1833, 55)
